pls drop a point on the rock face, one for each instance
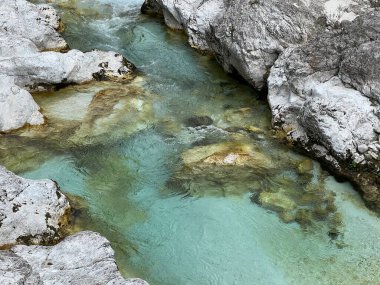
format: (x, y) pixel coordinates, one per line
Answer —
(84, 258)
(325, 94)
(31, 211)
(319, 61)
(30, 61)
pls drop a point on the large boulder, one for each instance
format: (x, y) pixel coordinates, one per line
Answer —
(325, 95)
(84, 258)
(31, 211)
(37, 23)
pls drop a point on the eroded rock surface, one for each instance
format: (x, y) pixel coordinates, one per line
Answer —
(30, 61)
(84, 258)
(36, 23)
(31, 211)
(325, 94)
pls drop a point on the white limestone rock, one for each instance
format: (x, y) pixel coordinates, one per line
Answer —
(17, 106)
(31, 211)
(339, 118)
(15, 270)
(38, 23)
(49, 68)
(327, 90)
(83, 258)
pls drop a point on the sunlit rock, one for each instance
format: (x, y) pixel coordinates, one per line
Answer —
(17, 106)
(31, 211)
(325, 95)
(84, 258)
(37, 23)
(127, 107)
(225, 155)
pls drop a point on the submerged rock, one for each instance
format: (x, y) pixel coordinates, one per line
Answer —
(277, 202)
(197, 121)
(31, 211)
(220, 169)
(25, 31)
(84, 258)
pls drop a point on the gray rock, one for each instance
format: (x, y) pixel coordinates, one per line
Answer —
(49, 68)
(373, 155)
(307, 90)
(83, 258)
(359, 159)
(249, 35)
(31, 211)
(15, 270)
(362, 148)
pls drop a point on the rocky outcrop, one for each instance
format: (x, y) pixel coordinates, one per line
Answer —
(31, 211)
(84, 258)
(30, 61)
(325, 94)
(319, 61)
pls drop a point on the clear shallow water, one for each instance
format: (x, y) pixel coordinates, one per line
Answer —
(121, 149)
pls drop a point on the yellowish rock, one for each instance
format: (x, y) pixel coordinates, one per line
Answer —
(305, 166)
(227, 154)
(278, 202)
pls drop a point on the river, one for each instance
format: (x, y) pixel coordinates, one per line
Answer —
(130, 156)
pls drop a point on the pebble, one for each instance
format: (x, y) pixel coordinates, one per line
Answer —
(359, 159)
(362, 148)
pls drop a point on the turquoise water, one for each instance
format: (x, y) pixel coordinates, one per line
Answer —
(123, 153)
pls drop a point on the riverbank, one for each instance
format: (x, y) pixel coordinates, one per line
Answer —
(324, 95)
